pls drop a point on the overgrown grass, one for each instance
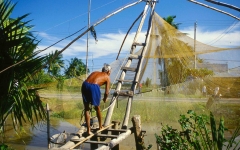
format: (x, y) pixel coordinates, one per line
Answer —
(151, 111)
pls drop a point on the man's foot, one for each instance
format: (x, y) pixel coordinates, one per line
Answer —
(85, 134)
(101, 127)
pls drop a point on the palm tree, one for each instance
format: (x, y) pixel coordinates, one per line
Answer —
(76, 68)
(54, 64)
(18, 62)
(170, 20)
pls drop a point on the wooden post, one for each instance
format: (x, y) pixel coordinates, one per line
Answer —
(136, 120)
(115, 126)
(48, 126)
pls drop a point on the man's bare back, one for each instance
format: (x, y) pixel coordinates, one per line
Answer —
(99, 78)
(96, 78)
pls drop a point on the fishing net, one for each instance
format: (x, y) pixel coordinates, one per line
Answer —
(171, 62)
(175, 79)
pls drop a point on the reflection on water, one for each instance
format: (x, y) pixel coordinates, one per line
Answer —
(36, 138)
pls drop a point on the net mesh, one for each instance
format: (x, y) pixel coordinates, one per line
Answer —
(169, 65)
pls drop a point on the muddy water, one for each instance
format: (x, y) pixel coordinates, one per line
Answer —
(36, 139)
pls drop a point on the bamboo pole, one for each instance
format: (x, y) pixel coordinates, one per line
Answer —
(137, 129)
(48, 126)
(224, 4)
(116, 141)
(226, 13)
(90, 136)
(115, 126)
(127, 34)
(128, 108)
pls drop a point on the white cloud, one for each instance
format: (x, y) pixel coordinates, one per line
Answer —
(225, 38)
(108, 44)
(47, 37)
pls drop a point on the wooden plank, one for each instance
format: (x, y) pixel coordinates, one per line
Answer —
(118, 130)
(129, 69)
(132, 56)
(127, 93)
(107, 135)
(90, 136)
(136, 120)
(139, 44)
(125, 80)
(96, 142)
(117, 140)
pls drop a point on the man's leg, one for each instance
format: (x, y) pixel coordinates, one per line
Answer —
(99, 116)
(87, 116)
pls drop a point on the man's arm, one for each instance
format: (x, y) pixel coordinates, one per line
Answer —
(107, 87)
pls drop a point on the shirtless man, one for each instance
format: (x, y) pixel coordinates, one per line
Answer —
(91, 93)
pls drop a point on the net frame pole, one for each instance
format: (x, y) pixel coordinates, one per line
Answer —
(128, 63)
(136, 78)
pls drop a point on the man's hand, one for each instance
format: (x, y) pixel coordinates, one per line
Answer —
(104, 100)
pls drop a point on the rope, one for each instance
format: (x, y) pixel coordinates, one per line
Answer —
(113, 83)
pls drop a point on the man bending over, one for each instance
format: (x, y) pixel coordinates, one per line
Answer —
(91, 93)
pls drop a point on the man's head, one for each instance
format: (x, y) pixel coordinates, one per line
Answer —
(106, 68)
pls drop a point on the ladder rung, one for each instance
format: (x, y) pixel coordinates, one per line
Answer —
(129, 69)
(125, 80)
(126, 93)
(117, 130)
(132, 56)
(96, 142)
(139, 44)
(107, 136)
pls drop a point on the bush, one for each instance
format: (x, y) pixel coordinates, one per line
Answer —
(195, 134)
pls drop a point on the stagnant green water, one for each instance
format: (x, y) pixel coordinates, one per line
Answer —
(166, 113)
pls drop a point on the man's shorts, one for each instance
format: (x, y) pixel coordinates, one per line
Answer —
(91, 93)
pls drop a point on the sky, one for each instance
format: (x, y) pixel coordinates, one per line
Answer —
(54, 20)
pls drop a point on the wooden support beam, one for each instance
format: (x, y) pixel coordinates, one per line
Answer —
(48, 125)
(116, 126)
(107, 136)
(126, 93)
(96, 142)
(116, 141)
(120, 80)
(139, 44)
(119, 130)
(129, 69)
(132, 56)
(137, 129)
(90, 136)
(226, 13)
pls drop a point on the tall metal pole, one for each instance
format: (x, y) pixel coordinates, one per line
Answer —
(89, 7)
(195, 56)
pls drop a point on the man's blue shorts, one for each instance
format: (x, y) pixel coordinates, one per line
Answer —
(91, 93)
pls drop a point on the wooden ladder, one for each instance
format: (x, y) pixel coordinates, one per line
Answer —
(117, 134)
(127, 67)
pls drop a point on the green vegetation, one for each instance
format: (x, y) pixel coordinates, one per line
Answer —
(195, 134)
(23, 71)
(19, 61)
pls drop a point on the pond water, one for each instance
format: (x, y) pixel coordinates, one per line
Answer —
(36, 139)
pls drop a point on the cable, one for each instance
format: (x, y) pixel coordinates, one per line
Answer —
(78, 16)
(224, 33)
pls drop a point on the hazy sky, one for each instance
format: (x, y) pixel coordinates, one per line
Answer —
(56, 19)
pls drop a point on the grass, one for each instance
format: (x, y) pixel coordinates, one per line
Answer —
(150, 111)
